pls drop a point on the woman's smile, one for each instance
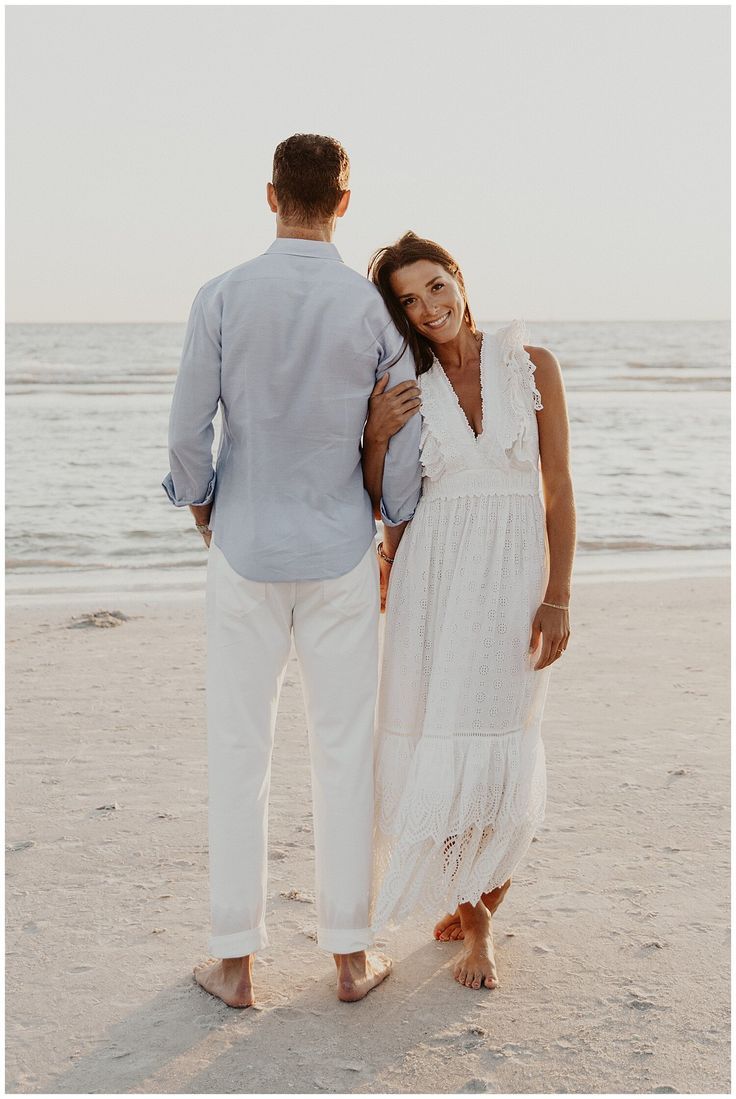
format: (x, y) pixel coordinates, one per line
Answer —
(440, 320)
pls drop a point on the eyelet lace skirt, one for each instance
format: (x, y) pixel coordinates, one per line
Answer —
(460, 770)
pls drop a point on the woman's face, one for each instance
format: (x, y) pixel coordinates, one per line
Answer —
(431, 299)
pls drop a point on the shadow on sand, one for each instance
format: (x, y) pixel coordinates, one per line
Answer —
(186, 1041)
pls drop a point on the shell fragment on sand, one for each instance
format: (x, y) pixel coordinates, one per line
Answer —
(102, 619)
(297, 895)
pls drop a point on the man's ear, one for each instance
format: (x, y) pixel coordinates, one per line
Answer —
(271, 198)
(343, 204)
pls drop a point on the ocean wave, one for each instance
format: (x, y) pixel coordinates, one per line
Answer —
(673, 364)
(627, 545)
(36, 565)
(49, 564)
(104, 382)
(14, 563)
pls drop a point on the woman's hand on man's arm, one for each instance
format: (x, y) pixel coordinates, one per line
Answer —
(389, 411)
(387, 414)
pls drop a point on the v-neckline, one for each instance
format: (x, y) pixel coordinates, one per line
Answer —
(461, 410)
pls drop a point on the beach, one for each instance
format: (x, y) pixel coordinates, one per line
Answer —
(612, 944)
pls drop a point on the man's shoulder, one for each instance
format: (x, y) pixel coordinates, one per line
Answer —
(368, 293)
(362, 292)
(360, 282)
(234, 274)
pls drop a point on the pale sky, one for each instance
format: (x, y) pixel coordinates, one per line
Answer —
(574, 159)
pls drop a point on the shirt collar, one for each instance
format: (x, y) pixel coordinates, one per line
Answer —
(295, 246)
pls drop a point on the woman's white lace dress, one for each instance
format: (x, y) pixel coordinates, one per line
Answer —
(460, 771)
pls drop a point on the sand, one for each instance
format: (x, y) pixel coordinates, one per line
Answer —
(612, 944)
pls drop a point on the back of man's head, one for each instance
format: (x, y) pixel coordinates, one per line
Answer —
(310, 175)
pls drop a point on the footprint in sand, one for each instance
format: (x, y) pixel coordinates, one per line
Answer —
(288, 1013)
(469, 1038)
(510, 1050)
(641, 1002)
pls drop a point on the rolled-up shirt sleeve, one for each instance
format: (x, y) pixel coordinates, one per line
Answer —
(192, 477)
(402, 471)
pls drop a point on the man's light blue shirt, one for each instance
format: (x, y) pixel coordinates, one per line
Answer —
(289, 345)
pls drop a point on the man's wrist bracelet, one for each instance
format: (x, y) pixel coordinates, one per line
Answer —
(203, 528)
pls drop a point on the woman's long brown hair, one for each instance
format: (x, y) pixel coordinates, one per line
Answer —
(409, 249)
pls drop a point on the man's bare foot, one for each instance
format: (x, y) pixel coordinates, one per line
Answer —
(231, 980)
(358, 973)
(449, 928)
(476, 966)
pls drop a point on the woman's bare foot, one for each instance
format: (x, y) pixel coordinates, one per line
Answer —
(231, 980)
(476, 966)
(358, 973)
(449, 928)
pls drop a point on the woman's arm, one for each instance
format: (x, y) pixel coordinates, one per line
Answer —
(389, 545)
(387, 414)
(553, 623)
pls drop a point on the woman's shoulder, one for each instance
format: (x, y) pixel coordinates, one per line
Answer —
(547, 373)
(545, 361)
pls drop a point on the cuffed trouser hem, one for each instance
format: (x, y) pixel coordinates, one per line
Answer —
(344, 942)
(240, 944)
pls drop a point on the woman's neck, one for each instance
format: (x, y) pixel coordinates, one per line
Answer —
(462, 351)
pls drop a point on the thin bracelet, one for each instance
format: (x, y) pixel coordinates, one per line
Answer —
(557, 606)
(203, 528)
(383, 555)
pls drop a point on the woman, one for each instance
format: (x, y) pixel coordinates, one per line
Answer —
(477, 608)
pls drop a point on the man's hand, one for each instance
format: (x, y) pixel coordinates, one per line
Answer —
(201, 513)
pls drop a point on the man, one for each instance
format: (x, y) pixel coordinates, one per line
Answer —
(290, 346)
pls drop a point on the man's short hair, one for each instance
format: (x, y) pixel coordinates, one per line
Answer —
(310, 175)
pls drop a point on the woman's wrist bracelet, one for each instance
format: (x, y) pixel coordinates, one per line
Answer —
(557, 606)
(382, 555)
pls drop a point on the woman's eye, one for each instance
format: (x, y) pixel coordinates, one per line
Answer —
(438, 286)
(408, 302)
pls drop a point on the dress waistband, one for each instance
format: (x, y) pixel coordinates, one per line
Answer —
(482, 482)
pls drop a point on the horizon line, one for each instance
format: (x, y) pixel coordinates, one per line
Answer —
(493, 320)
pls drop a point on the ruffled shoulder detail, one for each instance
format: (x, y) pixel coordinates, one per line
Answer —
(523, 397)
(433, 460)
(434, 442)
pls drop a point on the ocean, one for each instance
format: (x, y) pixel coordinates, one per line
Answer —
(86, 420)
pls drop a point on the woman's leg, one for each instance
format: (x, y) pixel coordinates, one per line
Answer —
(476, 966)
(449, 928)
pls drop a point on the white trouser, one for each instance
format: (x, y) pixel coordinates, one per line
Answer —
(249, 630)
